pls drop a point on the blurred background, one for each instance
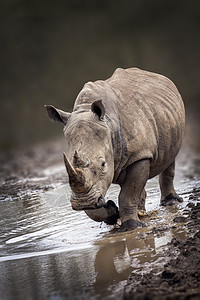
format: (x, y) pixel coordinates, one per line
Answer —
(49, 49)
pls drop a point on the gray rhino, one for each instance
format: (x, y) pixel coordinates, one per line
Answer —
(124, 130)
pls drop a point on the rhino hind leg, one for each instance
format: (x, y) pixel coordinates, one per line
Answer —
(131, 192)
(168, 193)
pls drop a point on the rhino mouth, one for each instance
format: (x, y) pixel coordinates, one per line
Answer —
(83, 202)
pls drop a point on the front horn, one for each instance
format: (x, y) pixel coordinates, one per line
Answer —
(70, 169)
(76, 177)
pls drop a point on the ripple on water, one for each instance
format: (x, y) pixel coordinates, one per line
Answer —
(47, 219)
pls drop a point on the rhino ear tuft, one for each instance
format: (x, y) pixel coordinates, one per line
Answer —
(57, 115)
(98, 109)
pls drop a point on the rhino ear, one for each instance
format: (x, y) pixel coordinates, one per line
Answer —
(57, 115)
(98, 109)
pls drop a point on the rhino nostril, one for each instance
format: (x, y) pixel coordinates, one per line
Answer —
(100, 202)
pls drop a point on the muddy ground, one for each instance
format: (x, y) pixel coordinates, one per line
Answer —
(180, 276)
(19, 167)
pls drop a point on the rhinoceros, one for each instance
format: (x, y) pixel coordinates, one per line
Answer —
(123, 130)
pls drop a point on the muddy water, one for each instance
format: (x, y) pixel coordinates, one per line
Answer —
(48, 251)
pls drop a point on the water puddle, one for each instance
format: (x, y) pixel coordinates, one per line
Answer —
(56, 253)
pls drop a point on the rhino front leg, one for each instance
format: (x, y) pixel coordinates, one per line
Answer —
(131, 191)
(168, 194)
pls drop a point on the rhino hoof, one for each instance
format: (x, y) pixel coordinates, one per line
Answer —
(130, 225)
(171, 199)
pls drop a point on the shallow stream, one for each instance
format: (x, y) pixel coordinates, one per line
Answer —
(49, 251)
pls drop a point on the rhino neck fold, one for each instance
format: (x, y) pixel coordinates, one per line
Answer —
(119, 148)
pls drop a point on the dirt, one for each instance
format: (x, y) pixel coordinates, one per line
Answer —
(20, 167)
(180, 277)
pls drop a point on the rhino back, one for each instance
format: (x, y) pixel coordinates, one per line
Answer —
(151, 115)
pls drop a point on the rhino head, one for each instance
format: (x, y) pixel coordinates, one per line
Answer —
(89, 154)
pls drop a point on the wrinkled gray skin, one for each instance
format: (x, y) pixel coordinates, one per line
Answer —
(123, 130)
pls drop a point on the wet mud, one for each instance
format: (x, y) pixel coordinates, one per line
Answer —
(180, 276)
(21, 170)
(48, 251)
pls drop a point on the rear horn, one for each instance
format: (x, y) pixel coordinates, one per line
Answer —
(79, 161)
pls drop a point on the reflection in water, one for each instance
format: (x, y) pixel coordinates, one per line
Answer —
(121, 254)
(49, 251)
(115, 261)
(81, 272)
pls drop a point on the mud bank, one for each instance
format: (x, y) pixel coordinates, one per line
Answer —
(180, 277)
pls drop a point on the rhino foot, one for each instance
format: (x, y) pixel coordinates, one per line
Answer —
(130, 225)
(171, 199)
